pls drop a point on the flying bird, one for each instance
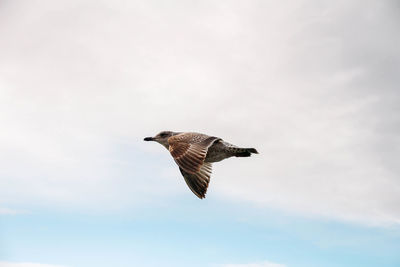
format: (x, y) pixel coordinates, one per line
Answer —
(194, 153)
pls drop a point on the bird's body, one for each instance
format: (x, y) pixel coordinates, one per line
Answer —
(194, 153)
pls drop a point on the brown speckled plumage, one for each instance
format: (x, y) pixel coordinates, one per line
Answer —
(194, 153)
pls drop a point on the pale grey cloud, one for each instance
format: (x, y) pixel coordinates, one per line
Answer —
(311, 84)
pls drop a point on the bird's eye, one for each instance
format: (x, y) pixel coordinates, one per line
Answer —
(163, 134)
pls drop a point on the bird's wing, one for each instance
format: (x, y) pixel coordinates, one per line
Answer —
(198, 182)
(190, 149)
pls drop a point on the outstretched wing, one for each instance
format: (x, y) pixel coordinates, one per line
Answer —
(198, 182)
(189, 151)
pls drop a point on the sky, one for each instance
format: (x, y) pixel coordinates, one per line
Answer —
(312, 85)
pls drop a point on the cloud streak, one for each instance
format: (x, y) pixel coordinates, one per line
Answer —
(7, 211)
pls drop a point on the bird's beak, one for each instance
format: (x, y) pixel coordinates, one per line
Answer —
(149, 139)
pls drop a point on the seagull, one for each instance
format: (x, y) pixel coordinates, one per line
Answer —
(195, 152)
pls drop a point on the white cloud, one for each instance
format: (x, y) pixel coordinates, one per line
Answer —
(25, 264)
(261, 264)
(312, 85)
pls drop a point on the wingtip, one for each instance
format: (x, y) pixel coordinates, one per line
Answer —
(200, 195)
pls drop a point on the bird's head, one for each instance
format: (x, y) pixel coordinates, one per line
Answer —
(162, 138)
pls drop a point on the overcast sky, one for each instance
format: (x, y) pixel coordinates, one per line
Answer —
(313, 85)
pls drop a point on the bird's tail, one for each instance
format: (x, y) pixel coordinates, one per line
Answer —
(244, 152)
